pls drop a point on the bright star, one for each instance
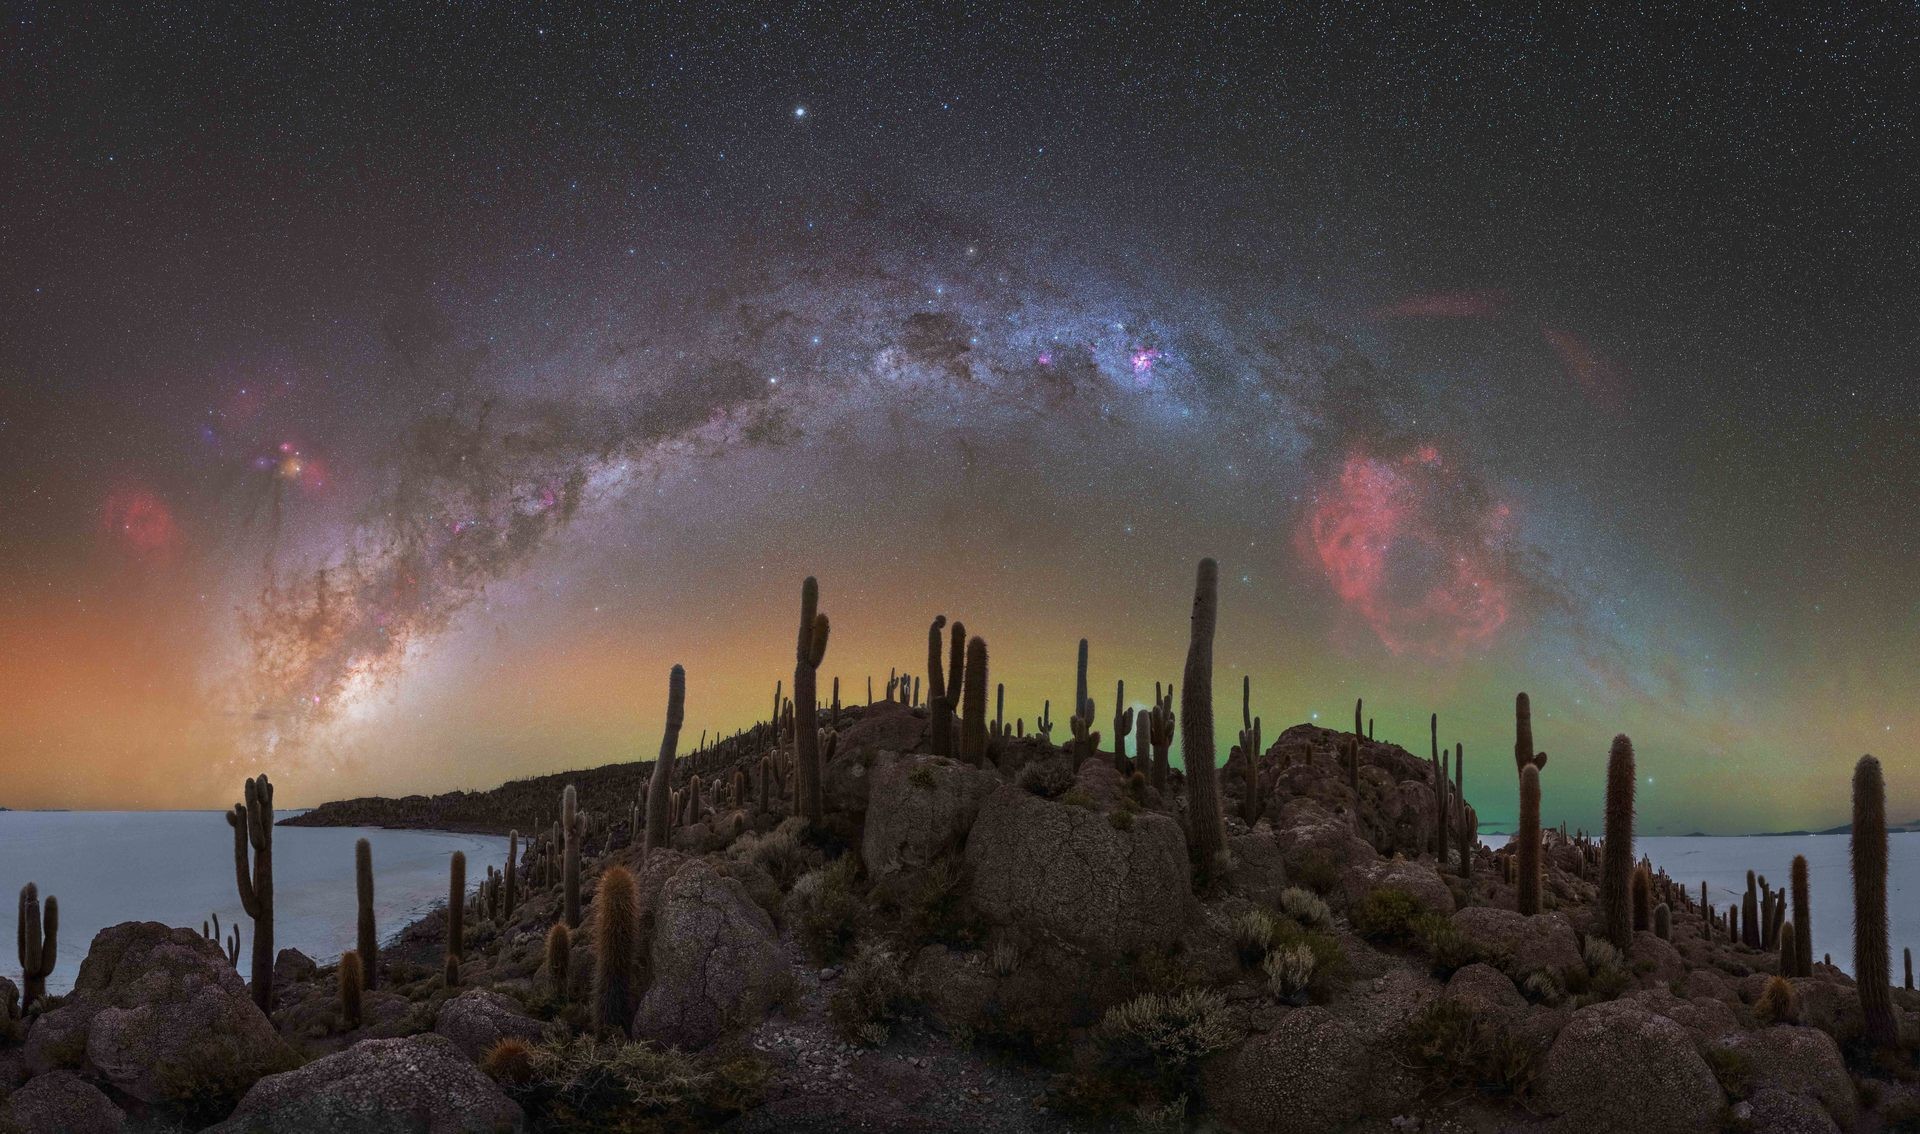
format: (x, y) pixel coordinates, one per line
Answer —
(799, 112)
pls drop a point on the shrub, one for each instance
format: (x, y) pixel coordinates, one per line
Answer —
(1330, 966)
(1003, 958)
(1252, 934)
(1445, 945)
(1306, 907)
(1315, 869)
(1542, 987)
(509, 1062)
(1465, 1051)
(922, 777)
(931, 906)
(872, 992)
(1289, 971)
(827, 909)
(782, 852)
(1730, 1068)
(1121, 820)
(207, 1080)
(1159, 1035)
(1777, 1003)
(1047, 779)
(1388, 916)
(586, 1083)
(1079, 798)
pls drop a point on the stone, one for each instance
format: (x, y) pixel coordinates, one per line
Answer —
(1302, 1077)
(1607, 1045)
(414, 1084)
(63, 1101)
(292, 966)
(715, 960)
(919, 809)
(477, 1019)
(1526, 945)
(1486, 989)
(1802, 1061)
(1772, 1111)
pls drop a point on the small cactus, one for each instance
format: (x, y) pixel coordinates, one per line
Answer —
(1750, 915)
(1617, 862)
(369, 936)
(573, 831)
(616, 945)
(350, 988)
(1777, 1003)
(1528, 852)
(38, 937)
(1663, 922)
(1869, 847)
(559, 952)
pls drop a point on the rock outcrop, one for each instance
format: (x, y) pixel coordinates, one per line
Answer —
(715, 960)
(420, 1083)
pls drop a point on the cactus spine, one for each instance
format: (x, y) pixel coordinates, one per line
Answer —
(939, 709)
(1207, 828)
(1802, 917)
(660, 788)
(39, 942)
(616, 944)
(369, 937)
(1663, 922)
(252, 823)
(351, 984)
(809, 650)
(559, 953)
(456, 914)
(1529, 849)
(973, 705)
(1617, 862)
(1869, 845)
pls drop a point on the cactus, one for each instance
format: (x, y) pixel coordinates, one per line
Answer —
(1908, 955)
(1356, 718)
(1160, 731)
(1663, 922)
(1528, 892)
(1463, 830)
(1802, 917)
(38, 937)
(973, 706)
(369, 937)
(939, 710)
(660, 789)
(1086, 743)
(456, 914)
(1439, 789)
(351, 985)
(1642, 899)
(1617, 864)
(559, 952)
(1081, 707)
(1122, 725)
(809, 650)
(1000, 708)
(510, 885)
(573, 832)
(1207, 830)
(1790, 953)
(616, 946)
(1733, 925)
(956, 682)
(252, 823)
(1869, 844)
(1353, 762)
(1750, 916)
(1142, 743)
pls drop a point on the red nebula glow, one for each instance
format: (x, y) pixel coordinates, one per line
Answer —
(1598, 378)
(1446, 305)
(138, 521)
(1411, 550)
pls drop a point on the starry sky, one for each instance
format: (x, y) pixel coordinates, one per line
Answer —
(389, 396)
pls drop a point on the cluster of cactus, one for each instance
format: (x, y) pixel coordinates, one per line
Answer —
(810, 650)
(38, 935)
(1869, 853)
(1206, 828)
(252, 823)
(230, 945)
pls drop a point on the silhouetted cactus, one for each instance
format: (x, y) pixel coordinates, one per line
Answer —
(1085, 744)
(1440, 807)
(1733, 925)
(351, 982)
(973, 706)
(1663, 922)
(511, 894)
(1207, 831)
(1870, 957)
(1043, 724)
(1160, 730)
(252, 823)
(616, 946)
(38, 938)
(1616, 874)
(1143, 743)
(1356, 718)
(1463, 828)
(572, 834)
(1122, 725)
(456, 914)
(1907, 954)
(1750, 916)
(660, 788)
(369, 936)
(1081, 707)
(1789, 952)
(559, 955)
(939, 709)
(809, 650)
(1353, 761)
(1528, 852)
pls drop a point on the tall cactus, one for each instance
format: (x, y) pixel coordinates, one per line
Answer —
(660, 787)
(1080, 706)
(1802, 917)
(369, 936)
(1870, 957)
(1160, 731)
(616, 946)
(1122, 725)
(1616, 870)
(956, 681)
(352, 983)
(572, 834)
(1463, 830)
(939, 709)
(1529, 836)
(510, 883)
(973, 705)
(1440, 806)
(1750, 916)
(1663, 922)
(1208, 830)
(1143, 742)
(252, 823)
(809, 650)
(39, 942)
(559, 957)
(1357, 734)
(456, 915)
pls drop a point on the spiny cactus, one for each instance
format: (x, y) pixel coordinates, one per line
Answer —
(1439, 790)
(573, 832)
(616, 946)
(1617, 864)
(1207, 829)
(351, 982)
(1663, 922)
(809, 650)
(559, 954)
(1122, 725)
(38, 937)
(252, 823)
(939, 709)
(1528, 852)
(1463, 830)
(456, 914)
(973, 706)
(511, 895)
(1086, 742)
(369, 936)
(660, 789)
(1750, 916)
(1869, 845)
(1160, 730)
(1642, 899)
(1081, 706)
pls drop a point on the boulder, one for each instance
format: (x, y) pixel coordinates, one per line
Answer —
(477, 1019)
(886, 726)
(715, 960)
(1259, 869)
(292, 966)
(1620, 1042)
(63, 1101)
(1527, 945)
(1109, 884)
(1801, 1061)
(155, 1011)
(1772, 1111)
(1487, 990)
(919, 808)
(419, 1083)
(1660, 961)
(1416, 878)
(1302, 1077)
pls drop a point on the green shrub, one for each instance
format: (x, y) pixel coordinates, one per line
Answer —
(1305, 907)
(1164, 1037)
(1315, 869)
(1731, 1069)
(1388, 916)
(1445, 945)
(1331, 970)
(1079, 798)
(208, 1078)
(586, 1083)
(1121, 820)
(1289, 971)
(827, 909)
(1463, 1050)
(1252, 935)
(782, 852)
(870, 995)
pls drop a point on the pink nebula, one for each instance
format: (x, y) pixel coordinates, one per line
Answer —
(1411, 550)
(138, 521)
(1598, 378)
(1143, 360)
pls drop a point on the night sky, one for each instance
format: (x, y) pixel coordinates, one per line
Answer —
(387, 399)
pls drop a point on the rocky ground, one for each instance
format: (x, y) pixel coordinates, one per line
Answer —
(1025, 945)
